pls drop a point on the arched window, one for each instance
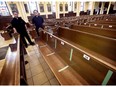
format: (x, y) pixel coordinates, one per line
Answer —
(41, 7)
(75, 5)
(66, 7)
(13, 7)
(26, 8)
(61, 7)
(3, 9)
(49, 7)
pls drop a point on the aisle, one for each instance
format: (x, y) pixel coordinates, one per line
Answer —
(37, 70)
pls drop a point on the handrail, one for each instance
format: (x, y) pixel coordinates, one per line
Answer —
(10, 74)
(94, 57)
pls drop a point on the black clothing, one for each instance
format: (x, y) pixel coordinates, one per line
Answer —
(19, 25)
(38, 21)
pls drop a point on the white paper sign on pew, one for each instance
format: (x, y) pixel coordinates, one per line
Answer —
(44, 32)
(102, 26)
(95, 24)
(106, 19)
(51, 35)
(86, 57)
(110, 26)
(62, 43)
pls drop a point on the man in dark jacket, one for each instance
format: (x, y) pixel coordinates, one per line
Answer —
(37, 21)
(19, 24)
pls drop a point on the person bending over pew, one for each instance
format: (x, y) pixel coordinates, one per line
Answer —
(37, 21)
(19, 25)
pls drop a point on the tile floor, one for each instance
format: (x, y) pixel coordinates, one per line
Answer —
(37, 70)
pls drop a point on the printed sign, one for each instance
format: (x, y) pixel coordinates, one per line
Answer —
(62, 43)
(86, 57)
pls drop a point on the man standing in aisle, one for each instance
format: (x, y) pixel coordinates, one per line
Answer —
(37, 21)
(19, 25)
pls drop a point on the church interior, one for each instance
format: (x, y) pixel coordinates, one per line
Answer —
(76, 43)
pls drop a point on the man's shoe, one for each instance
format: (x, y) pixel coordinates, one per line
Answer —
(32, 43)
(26, 46)
(26, 62)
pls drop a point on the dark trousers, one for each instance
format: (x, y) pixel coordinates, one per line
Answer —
(25, 35)
(37, 29)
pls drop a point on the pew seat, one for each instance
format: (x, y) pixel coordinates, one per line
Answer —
(56, 64)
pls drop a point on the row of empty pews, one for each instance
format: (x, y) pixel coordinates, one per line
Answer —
(79, 53)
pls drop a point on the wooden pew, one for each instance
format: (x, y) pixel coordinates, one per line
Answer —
(102, 26)
(6, 36)
(56, 63)
(10, 74)
(83, 38)
(81, 19)
(13, 71)
(86, 69)
(4, 20)
(110, 23)
(95, 30)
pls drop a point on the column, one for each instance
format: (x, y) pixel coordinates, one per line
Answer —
(69, 6)
(45, 8)
(64, 9)
(57, 10)
(85, 6)
(102, 7)
(92, 8)
(7, 3)
(108, 7)
(38, 6)
(22, 11)
(78, 9)
(73, 6)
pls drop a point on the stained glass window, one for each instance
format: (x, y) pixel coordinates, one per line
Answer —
(3, 9)
(26, 8)
(41, 7)
(66, 7)
(61, 7)
(49, 7)
(13, 7)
